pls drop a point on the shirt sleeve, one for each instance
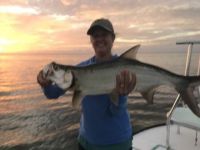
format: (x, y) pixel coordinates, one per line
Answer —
(53, 91)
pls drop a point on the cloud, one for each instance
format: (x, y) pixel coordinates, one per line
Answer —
(52, 6)
(160, 23)
(18, 10)
(60, 24)
(13, 2)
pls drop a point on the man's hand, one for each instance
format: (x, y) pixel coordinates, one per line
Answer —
(125, 82)
(42, 81)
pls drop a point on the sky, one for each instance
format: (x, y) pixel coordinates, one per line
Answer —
(61, 25)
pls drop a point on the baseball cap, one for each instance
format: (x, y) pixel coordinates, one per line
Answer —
(102, 23)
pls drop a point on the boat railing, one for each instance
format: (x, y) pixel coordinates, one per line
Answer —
(171, 115)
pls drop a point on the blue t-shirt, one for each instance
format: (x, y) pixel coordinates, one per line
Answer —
(102, 123)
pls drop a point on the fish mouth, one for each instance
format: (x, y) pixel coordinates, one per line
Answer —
(47, 71)
(62, 78)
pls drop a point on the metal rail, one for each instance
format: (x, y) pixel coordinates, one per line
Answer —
(187, 70)
(188, 42)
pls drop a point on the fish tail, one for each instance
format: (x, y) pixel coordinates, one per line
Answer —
(187, 94)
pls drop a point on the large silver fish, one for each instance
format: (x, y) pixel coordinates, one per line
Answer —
(101, 78)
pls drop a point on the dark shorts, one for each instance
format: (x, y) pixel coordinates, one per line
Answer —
(81, 148)
(85, 145)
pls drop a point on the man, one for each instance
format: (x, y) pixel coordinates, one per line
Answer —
(103, 125)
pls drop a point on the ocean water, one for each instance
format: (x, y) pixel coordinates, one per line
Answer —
(28, 119)
(18, 75)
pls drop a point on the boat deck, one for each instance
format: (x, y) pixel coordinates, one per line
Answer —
(155, 139)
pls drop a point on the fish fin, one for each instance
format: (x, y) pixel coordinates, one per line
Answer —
(130, 53)
(148, 95)
(187, 94)
(76, 99)
(114, 97)
(188, 97)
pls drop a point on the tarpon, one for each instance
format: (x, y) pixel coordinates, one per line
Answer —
(100, 78)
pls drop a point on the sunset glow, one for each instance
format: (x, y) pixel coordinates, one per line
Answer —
(53, 25)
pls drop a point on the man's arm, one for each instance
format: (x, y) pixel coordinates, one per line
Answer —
(125, 83)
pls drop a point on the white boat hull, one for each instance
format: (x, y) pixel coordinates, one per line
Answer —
(155, 139)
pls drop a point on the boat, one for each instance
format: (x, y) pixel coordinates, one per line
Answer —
(155, 139)
(182, 126)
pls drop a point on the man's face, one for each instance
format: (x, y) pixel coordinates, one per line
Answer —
(102, 42)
